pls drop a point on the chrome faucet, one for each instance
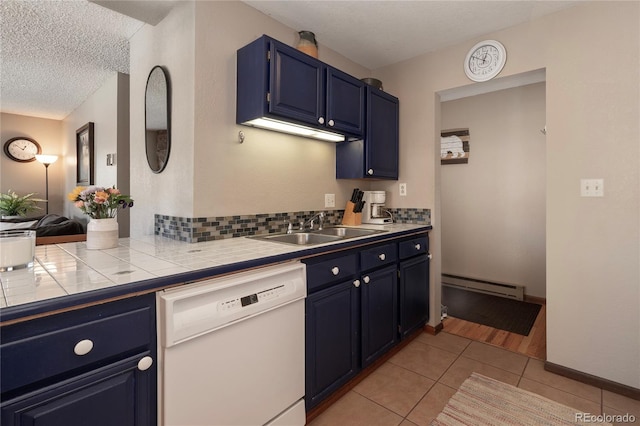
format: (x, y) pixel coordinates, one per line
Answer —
(320, 217)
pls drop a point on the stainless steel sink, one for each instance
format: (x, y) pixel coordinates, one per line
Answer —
(299, 238)
(342, 231)
(321, 236)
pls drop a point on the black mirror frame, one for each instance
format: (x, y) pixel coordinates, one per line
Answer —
(165, 73)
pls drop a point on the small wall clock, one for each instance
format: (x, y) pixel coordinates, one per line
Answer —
(22, 149)
(485, 60)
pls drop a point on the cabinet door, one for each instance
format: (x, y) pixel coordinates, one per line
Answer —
(379, 313)
(381, 143)
(375, 156)
(331, 340)
(119, 394)
(297, 85)
(414, 294)
(345, 102)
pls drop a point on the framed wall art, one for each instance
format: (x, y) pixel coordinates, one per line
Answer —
(454, 146)
(84, 154)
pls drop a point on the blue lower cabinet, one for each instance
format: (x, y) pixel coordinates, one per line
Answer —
(92, 366)
(332, 324)
(120, 394)
(414, 294)
(379, 313)
(356, 301)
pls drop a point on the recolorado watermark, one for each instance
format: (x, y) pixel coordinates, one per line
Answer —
(605, 418)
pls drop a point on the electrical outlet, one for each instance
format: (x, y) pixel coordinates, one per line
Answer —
(403, 189)
(592, 187)
(329, 200)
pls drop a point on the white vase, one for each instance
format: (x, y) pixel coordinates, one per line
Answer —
(102, 234)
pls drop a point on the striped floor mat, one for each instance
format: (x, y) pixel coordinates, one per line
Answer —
(481, 400)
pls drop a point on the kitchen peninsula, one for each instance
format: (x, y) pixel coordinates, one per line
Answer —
(87, 318)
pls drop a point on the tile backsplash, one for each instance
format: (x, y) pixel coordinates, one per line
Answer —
(199, 229)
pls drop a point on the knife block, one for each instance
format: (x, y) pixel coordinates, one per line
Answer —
(350, 218)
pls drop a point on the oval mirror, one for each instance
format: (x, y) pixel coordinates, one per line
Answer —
(157, 118)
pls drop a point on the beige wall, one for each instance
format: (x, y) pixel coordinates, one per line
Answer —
(592, 109)
(493, 208)
(170, 44)
(24, 178)
(101, 108)
(270, 172)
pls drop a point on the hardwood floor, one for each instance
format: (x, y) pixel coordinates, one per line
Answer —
(534, 345)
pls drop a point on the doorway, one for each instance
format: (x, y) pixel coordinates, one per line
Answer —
(493, 206)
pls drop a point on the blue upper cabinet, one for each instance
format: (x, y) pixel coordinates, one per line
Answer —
(345, 102)
(278, 82)
(376, 156)
(296, 84)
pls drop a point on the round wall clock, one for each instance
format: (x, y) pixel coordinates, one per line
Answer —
(22, 149)
(485, 60)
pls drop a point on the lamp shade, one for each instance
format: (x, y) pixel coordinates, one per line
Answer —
(46, 159)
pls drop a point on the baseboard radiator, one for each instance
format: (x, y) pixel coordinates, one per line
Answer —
(510, 291)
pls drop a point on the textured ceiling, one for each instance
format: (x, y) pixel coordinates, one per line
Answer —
(54, 54)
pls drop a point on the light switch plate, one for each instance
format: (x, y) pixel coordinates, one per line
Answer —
(329, 200)
(592, 187)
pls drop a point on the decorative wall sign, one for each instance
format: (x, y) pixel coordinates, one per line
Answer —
(454, 146)
(84, 154)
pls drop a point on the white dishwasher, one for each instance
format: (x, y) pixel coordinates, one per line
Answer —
(232, 349)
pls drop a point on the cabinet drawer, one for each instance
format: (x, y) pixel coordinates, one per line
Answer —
(414, 246)
(378, 256)
(325, 272)
(57, 351)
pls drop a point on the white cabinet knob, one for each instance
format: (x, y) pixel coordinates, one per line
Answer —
(335, 270)
(356, 283)
(331, 123)
(370, 171)
(417, 246)
(83, 347)
(321, 120)
(366, 279)
(145, 363)
(382, 256)
(430, 256)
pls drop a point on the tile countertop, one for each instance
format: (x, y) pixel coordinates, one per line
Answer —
(66, 275)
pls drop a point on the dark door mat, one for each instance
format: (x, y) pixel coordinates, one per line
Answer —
(494, 311)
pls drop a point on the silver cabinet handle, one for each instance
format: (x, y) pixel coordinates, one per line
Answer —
(356, 283)
(331, 123)
(366, 279)
(417, 246)
(370, 171)
(335, 270)
(145, 363)
(321, 120)
(83, 347)
(382, 256)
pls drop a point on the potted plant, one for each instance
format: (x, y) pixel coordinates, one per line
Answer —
(13, 205)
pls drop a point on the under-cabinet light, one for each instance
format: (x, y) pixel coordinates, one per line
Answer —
(308, 132)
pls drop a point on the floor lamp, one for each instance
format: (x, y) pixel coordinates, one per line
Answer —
(47, 160)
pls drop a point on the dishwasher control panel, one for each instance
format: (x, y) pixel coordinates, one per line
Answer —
(237, 303)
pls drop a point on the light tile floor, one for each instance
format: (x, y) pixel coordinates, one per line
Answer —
(414, 385)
